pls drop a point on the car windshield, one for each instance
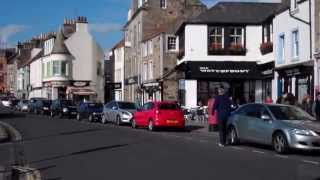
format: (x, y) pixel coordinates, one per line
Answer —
(124, 105)
(95, 105)
(67, 103)
(289, 113)
(46, 103)
(168, 106)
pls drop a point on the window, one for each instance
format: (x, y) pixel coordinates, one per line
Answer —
(281, 49)
(295, 4)
(150, 48)
(216, 37)
(150, 70)
(56, 68)
(236, 36)
(171, 43)
(295, 44)
(163, 4)
(145, 71)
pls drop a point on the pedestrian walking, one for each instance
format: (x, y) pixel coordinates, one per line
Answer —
(222, 106)
(307, 104)
(268, 100)
(316, 107)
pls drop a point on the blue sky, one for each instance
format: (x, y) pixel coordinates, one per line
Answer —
(22, 19)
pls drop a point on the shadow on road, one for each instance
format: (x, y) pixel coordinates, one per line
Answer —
(9, 115)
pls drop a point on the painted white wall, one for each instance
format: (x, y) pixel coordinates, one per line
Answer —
(196, 45)
(87, 55)
(36, 77)
(191, 93)
(119, 66)
(284, 24)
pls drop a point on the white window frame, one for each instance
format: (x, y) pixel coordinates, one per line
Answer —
(295, 44)
(145, 71)
(216, 35)
(175, 43)
(235, 35)
(150, 70)
(281, 48)
(163, 4)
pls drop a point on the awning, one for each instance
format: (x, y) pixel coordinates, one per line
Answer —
(84, 91)
(222, 70)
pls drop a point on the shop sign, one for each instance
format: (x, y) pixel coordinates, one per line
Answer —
(116, 85)
(132, 80)
(150, 84)
(303, 81)
(267, 72)
(206, 69)
(292, 72)
(80, 84)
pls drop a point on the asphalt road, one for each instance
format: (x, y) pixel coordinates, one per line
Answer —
(71, 150)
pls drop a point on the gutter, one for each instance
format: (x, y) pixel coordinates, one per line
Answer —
(305, 22)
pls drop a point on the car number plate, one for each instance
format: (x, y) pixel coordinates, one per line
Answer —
(172, 121)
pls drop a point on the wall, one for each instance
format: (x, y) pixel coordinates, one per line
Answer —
(196, 45)
(284, 24)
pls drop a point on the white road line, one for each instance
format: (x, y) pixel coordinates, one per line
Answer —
(260, 152)
(239, 148)
(281, 156)
(311, 162)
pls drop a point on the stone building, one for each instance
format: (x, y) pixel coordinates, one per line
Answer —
(5, 55)
(151, 47)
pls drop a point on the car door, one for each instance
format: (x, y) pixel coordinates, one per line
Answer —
(107, 111)
(255, 122)
(140, 115)
(247, 122)
(264, 126)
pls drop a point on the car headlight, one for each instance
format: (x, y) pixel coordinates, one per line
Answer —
(45, 108)
(65, 109)
(126, 115)
(304, 132)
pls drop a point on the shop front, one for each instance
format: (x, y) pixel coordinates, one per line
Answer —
(80, 91)
(151, 92)
(202, 80)
(267, 78)
(298, 80)
(55, 89)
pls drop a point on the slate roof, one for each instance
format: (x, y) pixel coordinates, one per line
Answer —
(59, 47)
(238, 13)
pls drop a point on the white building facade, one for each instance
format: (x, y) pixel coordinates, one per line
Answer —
(294, 49)
(234, 52)
(118, 53)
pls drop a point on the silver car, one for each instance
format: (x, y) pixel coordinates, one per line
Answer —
(284, 127)
(118, 112)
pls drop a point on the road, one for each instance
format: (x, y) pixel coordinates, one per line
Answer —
(71, 150)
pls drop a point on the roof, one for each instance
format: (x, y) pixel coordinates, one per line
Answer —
(119, 44)
(59, 46)
(238, 13)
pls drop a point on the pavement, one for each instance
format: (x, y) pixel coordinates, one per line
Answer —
(67, 149)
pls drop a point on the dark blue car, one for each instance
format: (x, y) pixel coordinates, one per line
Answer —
(90, 111)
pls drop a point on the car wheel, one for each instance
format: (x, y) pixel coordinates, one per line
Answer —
(151, 126)
(103, 119)
(233, 138)
(90, 118)
(118, 121)
(280, 143)
(133, 124)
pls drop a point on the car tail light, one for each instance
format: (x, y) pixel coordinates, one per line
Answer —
(157, 112)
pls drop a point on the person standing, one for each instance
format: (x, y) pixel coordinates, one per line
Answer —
(222, 106)
(307, 104)
(316, 107)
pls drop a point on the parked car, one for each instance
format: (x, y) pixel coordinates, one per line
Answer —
(159, 114)
(118, 112)
(42, 107)
(63, 108)
(6, 102)
(33, 104)
(23, 106)
(284, 127)
(90, 111)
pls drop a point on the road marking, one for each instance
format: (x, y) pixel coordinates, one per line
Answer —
(260, 152)
(281, 156)
(239, 148)
(311, 162)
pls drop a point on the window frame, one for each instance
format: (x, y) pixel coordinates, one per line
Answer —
(169, 43)
(163, 4)
(234, 36)
(295, 44)
(281, 48)
(216, 35)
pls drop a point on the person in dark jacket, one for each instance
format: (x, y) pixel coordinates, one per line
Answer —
(222, 106)
(316, 107)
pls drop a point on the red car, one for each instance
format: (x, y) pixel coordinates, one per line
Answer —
(159, 114)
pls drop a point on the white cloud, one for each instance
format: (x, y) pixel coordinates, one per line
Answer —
(10, 30)
(210, 3)
(105, 27)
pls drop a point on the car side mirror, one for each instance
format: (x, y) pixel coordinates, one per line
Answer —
(266, 117)
(114, 108)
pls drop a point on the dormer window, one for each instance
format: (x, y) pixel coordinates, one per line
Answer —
(163, 4)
